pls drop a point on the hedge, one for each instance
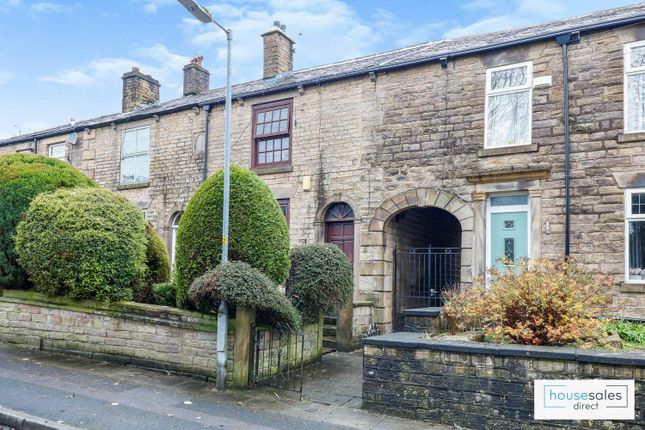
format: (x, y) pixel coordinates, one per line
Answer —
(258, 232)
(242, 285)
(83, 243)
(320, 279)
(22, 177)
(157, 267)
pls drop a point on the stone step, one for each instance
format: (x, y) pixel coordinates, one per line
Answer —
(330, 320)
(329, 342)
(329, 330)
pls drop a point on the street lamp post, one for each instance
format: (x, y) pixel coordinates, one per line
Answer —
(204, 15)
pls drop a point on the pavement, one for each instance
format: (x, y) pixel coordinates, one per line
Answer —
(91, 394)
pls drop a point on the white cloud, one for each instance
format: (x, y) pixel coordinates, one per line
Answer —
(5, 76)
(152, 6)
(45, 7)
(7, 5)
(69, 77)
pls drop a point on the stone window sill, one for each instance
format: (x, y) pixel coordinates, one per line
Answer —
(631, 137)
(269, 170)
(131, 186)
(490, 152)
(629, 287)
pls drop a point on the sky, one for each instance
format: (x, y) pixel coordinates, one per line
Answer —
(63, 59)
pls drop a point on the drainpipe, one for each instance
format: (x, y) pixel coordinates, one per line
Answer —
(207, 111)
(564, 40)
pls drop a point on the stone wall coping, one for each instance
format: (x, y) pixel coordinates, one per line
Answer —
(164, 315)
(422, 312)
(416, 341)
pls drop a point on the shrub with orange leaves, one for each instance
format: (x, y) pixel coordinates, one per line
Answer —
(541, 302)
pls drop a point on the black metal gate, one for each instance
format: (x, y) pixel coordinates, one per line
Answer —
(420, 276)
(277, 358)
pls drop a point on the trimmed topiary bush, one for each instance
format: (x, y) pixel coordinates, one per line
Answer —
(83, 243)
(258, 230)
(242, 285)
(23, 177)
(320, 279)
(165, 294)
(157, 267)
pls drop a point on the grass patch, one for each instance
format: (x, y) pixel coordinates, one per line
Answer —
(632, 333)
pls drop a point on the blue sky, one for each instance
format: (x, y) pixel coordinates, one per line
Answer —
(63, 59)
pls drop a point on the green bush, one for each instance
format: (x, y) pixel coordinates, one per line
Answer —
(320, 279)
(165, 294)
(157, 267)
(242, 285)
(631, 332)
(23, 177)
(258, 230)
(83, 243)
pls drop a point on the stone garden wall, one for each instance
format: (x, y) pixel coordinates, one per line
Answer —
(484, 386)
(151, 336)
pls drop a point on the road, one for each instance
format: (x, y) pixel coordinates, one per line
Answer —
(97, 395)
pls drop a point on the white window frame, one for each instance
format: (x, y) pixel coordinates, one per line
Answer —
(174, 226)
(629, 71)
(490, 209)
(489, 92)
(136, 154)
(56, 145)
(629, 216)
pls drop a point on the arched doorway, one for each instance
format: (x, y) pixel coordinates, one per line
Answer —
(339, 228)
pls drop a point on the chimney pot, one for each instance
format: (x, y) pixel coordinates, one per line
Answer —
(196, 77)
(278, 51)
(138, 90)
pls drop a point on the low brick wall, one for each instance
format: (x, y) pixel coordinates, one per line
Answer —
(145, 335)
(484, 386)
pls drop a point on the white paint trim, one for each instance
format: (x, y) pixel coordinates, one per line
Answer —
(628, 217)
(506, 209)
(526, 87)
(628, 71)
(56, 145)
(135, 154)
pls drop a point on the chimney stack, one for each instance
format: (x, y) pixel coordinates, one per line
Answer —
(138, 90)
(196, 77)
(278, 51)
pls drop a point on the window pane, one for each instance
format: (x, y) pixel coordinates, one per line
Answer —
(637, 56)
(509, 248)
(638, 203)
(267, 116)
(143, 138)
(142, 166)
(262, 146)
(269, 145)
(636, 102)
(267, 128)
(261, 158)
(129, 142)
(57, 151)
(285, 155)
(261, 117)
(276, 143)
(636, 250)
(508, 119)
(509, 200)
(127, 170)
(269, 157)
(258, 129)
(285, 143)
(283, 125)
(274, 127)
(508, 78)
(276, 157)
(284, 113)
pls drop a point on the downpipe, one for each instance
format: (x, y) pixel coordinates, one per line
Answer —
(565, 40)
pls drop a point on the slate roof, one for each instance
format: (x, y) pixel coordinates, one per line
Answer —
(398, 58)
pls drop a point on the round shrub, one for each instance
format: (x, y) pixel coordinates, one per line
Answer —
(22, 177)
(320, 279)
(157, 267)
(242, 285)
(83, 243)
(258, 233)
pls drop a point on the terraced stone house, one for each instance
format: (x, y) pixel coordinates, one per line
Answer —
(424, 164)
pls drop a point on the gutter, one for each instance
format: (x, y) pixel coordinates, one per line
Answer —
(564, 40)
(437, 58)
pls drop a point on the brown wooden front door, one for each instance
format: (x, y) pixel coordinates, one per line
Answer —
(341, 234)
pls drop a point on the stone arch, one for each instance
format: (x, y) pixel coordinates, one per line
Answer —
(376, 274)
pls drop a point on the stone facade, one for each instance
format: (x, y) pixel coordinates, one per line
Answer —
(138, 90)
(484, 386)
(413, 138)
